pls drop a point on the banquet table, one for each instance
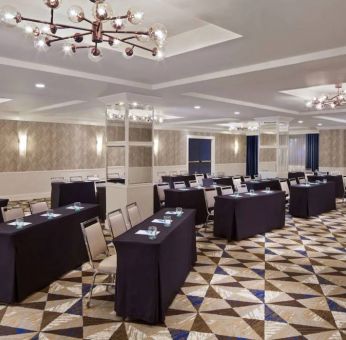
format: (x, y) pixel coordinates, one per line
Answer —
(33, 257)
(189, 198)
(223, 181)
(151, 272)
(67, 193)
(337, 179)
(273, 184)
(3, 203)
(237, 218)
(312, 199)
(178, 178)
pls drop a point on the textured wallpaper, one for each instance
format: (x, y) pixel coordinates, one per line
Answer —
(332, 148)
(50, 146)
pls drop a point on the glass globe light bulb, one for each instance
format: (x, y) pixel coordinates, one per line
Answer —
(158, 33)
(128, 53)
(29, 29)
(53, 4)
(158, 54)
(95, 55)
(102, 11)
(135, 16)
(69, 49)
(9, 16)
(75, 14)
(118, 24)
(115, 43)
(143, 37)
(40, 43)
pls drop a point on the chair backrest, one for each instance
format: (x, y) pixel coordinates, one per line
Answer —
(301, 180)
(94, 238)
(179, 185)
(199, 178)
(57, 179)
(210, 194)
(76, 179)
(93, 178)
(161, 187)
(113, 175)
(116, 222)
(38, 207)
(207, 182)
(344, 177)
(12, 214)
(242, 188)
(247, 178)
(133, 214)
(292, 181)
(227, 190)
(236, 182)
(193, 183)
(284, 187)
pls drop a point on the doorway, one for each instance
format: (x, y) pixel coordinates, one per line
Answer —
(200, 155)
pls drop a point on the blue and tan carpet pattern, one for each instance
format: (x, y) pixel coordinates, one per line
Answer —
(287, 284)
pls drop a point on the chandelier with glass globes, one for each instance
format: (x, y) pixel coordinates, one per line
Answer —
(329, 102)
(46, 33)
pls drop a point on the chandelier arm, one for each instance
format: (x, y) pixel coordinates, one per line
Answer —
(52, 16)
(114, 18)
(57, 38)
(81, 47)
(87, 20)
(129, 43)
(127, 32)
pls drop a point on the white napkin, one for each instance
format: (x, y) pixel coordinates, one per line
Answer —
(172, 213)
(53, 215)
(24, 224)
(158, 221)
(145, 232)
(73, 208)
(267, 192)
(250, 194)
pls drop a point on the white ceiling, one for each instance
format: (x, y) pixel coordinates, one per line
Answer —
(260, 58)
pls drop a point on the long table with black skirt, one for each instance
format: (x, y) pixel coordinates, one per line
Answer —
(296, 174)
(151, 272)
(337, 179)
(67, 193)
(3, 203)
(178, 178)
(312, 199)
(189, 198)
(237, 218)
(33, 257)
(223, 181)
(273, 184)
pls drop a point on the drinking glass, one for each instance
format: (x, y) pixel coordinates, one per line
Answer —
(152, 230)
(168, 220)
(50, 214)
(179, 211)
(267, 189)
(19, 223)
(77, 206)
(252, 191)
(324, 180)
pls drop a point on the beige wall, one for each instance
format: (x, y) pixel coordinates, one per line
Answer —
(50, 146)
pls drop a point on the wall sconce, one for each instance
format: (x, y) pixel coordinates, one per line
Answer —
(22, 143)
(156, 146)
(99, 145)
(236, 146)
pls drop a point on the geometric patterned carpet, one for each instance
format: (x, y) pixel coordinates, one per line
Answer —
(287, 284)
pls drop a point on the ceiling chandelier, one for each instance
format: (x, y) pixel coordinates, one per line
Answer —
(331, 102)
(46, 33)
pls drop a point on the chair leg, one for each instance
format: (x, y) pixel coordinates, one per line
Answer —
(91, 290)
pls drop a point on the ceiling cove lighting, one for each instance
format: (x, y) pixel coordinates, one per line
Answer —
(329, 101)
(105, 28)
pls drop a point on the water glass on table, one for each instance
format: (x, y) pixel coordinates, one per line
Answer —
(167, 220)
(179, 211)
(19, 223)
(152, 232)
(50, 214)
(77, 206)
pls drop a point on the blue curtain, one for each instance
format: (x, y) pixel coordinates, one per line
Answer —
(252, 155)
(312, 151)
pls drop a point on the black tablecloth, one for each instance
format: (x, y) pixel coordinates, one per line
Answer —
(273, 184)
(223, 181)
(33, 257)
(101, 199)
(151, 272)
(192, 198)
(117, 180)
(178, 178)
(236, 218)
(3, 203)
(312, 200)
(296, 174)
(67, 193)
(337, 179)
